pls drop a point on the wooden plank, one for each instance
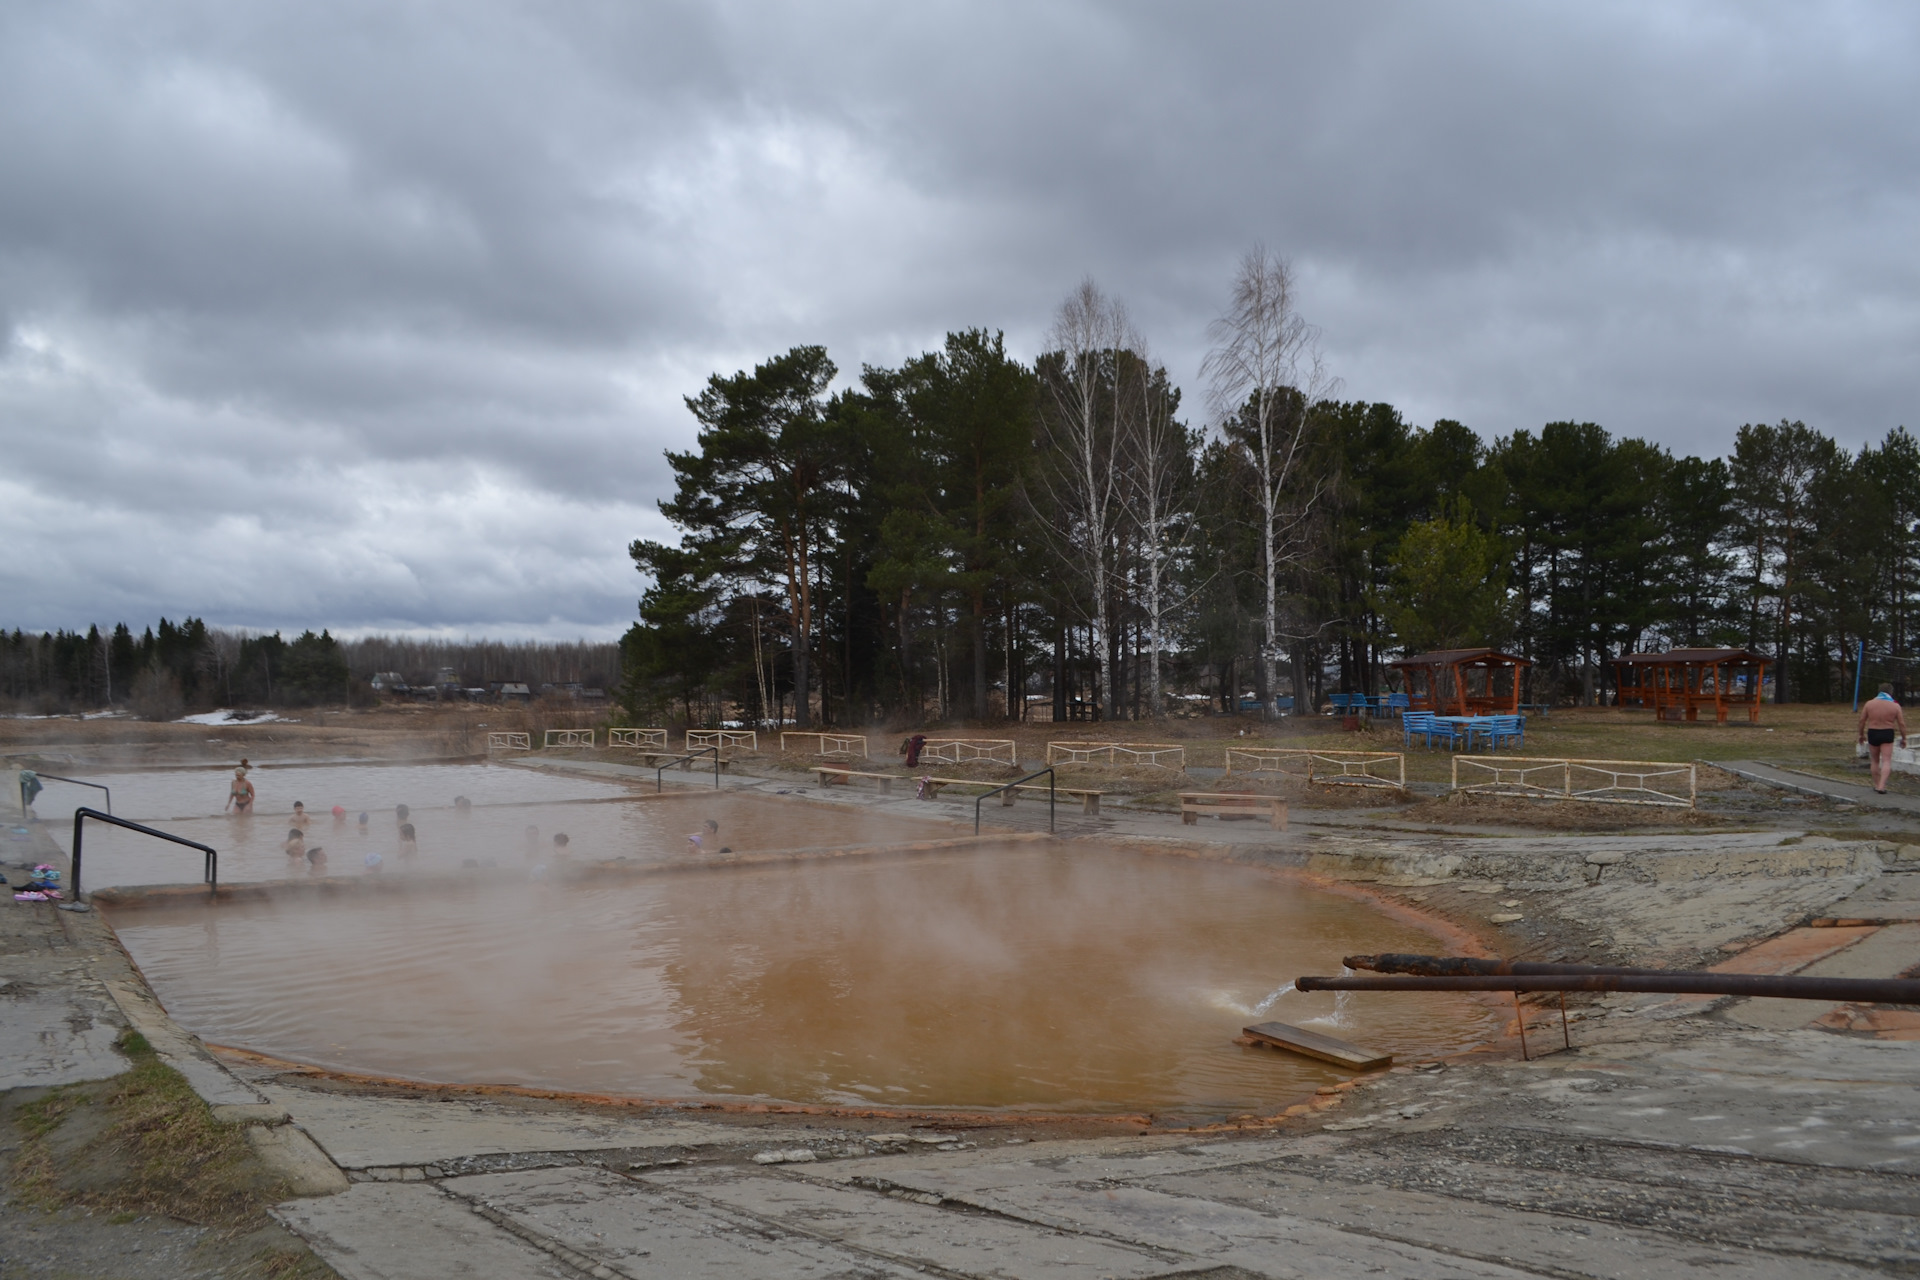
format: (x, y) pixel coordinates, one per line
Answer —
(1229, 805)
(1314, 1045)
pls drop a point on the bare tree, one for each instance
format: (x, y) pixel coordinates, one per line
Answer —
(1079, 483)
(1159, 472)
(1264, 375)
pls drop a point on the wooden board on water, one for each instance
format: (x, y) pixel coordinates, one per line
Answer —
(1314, 1045)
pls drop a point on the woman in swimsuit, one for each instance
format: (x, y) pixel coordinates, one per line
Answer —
(240, 795)
(1880, 721)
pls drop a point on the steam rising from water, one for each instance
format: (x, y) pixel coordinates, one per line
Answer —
(1035, 977)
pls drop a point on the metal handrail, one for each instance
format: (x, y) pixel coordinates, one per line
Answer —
(660, 785)
(54, 777)
(212, 872)
(1008, 787)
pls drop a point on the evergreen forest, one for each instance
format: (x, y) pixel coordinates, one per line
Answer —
(1073, 533)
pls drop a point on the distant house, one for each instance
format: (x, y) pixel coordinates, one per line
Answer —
(508, 691)
(389, 682)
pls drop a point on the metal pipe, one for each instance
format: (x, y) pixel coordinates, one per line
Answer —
(79, 782)
(692, 755)
(1008, 787)
(1459, 966)
(211, 868)
(1786, 987)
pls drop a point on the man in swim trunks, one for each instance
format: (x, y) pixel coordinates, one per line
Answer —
(1881, 720)
(240, 794)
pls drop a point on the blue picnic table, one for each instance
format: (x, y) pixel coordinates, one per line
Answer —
(1455, 730)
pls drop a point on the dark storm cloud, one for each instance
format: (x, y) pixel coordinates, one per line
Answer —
(380, 315)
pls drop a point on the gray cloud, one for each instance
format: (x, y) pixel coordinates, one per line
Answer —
(380, 316)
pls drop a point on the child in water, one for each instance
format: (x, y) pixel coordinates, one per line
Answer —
(363, 826)
(316, 861)
(707, 838)
(463, 807)
(300, 818)
(296, 845)
(373, 862)
(407, 846)
(400, 813)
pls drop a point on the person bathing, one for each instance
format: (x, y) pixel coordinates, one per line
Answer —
(1881, 720)
(240, 794)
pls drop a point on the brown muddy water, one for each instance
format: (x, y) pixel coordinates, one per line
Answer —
(602, 821)
(1062, 978)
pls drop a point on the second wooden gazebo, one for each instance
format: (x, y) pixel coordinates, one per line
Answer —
(1679, 682)
(1463, 682)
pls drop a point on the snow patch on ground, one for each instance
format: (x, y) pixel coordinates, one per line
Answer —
(235, 717)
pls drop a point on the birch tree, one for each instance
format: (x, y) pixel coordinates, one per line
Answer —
(1159, 469)
(1078, 488)
(1265, 374)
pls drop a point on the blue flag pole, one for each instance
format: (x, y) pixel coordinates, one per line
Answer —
(1859, 665)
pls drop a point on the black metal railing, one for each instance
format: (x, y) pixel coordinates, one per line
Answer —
(54, 777)
(212, 872)
(1010, 786)
(659, 784)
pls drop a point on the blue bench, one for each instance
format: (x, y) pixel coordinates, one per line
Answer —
(1496, 730)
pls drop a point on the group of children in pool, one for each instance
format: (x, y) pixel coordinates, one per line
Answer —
(315, 856)
(539, 857)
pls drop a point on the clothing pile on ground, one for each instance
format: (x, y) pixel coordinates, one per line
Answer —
(43, 887)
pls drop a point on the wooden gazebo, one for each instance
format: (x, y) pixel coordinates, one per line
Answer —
(1463, 682)
(1679, 682)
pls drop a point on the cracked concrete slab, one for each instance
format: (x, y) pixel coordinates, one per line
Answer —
(412, 1231)
(635, 1230)
(361, 1131)
(917, 1235)
(49, 1034)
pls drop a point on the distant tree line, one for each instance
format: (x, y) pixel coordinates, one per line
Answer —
(971, 536)
(188, 666)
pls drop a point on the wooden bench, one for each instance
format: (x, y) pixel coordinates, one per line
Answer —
(1195, 805)
(832, 775)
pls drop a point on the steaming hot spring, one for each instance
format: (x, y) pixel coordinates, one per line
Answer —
(793, 951)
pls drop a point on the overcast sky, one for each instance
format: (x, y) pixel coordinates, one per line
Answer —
(378, 316)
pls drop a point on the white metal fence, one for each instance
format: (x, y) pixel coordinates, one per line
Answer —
(1355, 768)
(1654, 782)
(509, 742)
(641, 738)
(961, 750)
(843, 745)
(1165, 755)
(569, 737)
(723, 738)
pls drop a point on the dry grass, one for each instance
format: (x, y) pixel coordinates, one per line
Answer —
(1467, 809)
(140, 1143)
